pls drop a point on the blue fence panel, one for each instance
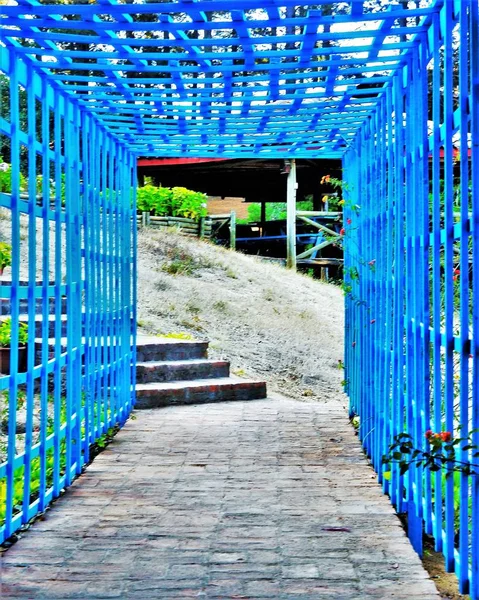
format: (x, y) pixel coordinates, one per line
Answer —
(71, 209)
(412, 337)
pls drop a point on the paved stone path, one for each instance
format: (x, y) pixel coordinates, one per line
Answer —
(264, 499)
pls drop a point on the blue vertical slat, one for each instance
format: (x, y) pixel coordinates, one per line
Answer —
(400, 274)
(45, 192)
(389, 279)
(424, 338)
(73, 212)
(88, 367)
(32, 247)
(474, 74)
(436, 274)
(57, 373)
(14, 207)
(447, 275)
(131, 265)
(105, 345)
(70, 291)
(462, 570)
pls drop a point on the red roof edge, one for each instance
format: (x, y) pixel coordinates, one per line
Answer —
(157, 162)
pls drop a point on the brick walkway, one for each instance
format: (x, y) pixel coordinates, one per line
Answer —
(266, 499)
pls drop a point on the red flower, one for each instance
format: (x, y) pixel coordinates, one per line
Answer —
(428, 434)
(325, 178)
(342, 231)
(349, 221)
(446, 436)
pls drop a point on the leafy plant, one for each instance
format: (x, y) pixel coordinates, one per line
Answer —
(39, 187)
(275, 211)
(175, 202)
(36, 466)
(6, 178)
(188, 204)
(5, 255)
(6, 333)
(440, 452)
(104, 439)
(155, 200)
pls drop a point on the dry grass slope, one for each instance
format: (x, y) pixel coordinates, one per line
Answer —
(270, 323)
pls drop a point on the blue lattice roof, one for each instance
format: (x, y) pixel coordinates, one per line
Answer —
(225, 78)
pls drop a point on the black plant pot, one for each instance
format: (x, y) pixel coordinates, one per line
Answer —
(5, 355)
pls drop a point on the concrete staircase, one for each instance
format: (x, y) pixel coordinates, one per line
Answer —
(171, 372)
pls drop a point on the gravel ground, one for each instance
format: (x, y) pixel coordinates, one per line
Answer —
(269, 322)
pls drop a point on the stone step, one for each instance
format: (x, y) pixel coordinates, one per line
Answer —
(150, 349)
(202, 391)
(51, 325)
(63, 344)
(201, 368)
(52, 319)
(6, 308)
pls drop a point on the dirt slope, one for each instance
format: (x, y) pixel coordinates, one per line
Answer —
(270, 323)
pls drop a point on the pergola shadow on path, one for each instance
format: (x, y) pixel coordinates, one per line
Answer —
(390, 88)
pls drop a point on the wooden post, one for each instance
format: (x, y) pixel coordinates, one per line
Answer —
(201, 228)
(233, 230)
(263, 216)
(291, 218)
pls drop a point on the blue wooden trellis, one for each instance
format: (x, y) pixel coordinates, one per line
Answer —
(255, 78)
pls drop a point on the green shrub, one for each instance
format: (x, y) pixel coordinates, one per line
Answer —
(175, 202)
(189, 204)
(5, 255)
(52, 187)
(6, 333)
(6, 178)
(275, 211)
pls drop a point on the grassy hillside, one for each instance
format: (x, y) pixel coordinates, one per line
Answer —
(270, 323)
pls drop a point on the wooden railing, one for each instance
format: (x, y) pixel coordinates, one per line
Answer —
(200, 228)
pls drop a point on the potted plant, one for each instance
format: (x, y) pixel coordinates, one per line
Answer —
(5, 346)
(5, 256)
